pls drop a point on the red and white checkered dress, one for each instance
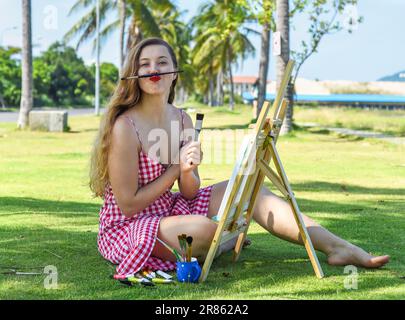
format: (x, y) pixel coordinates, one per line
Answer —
(129, 242)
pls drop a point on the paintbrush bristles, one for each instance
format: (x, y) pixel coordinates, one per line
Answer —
(198, 125)
(185, 246)
(189, 240)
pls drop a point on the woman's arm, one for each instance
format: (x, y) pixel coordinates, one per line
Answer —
(189, 180)
(123, 166)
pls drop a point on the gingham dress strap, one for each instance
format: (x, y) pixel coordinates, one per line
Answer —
(134, 126)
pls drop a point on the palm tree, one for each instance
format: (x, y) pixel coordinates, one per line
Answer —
(159, 18)
(220, 40)
(123, 17)
(283, 26)
(220, 88)
(265, 20)
(85, 28)
(144, 22)
(26, 65)
(142, 14)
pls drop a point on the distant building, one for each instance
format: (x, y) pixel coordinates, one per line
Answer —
(245, 84)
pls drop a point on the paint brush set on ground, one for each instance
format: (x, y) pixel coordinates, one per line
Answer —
(188, 269)
(147, 278)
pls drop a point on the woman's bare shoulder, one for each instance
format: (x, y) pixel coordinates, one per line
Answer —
(179, 111)
(123, 132)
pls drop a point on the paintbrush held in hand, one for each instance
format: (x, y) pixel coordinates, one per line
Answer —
(198, 126)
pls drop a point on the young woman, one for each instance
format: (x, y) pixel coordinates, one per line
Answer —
(141, 151)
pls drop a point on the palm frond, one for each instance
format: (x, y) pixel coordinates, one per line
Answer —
(80, 5)
(86, 26)
(105, 34)
(149, 22)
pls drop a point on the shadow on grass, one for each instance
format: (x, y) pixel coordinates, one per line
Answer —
(227, 127)
(83, 130)
(269, 264)
(12, 206)
(280, 268)
(339, 137)
(284, 270)
(314, 186)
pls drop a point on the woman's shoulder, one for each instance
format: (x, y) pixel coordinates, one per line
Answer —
(123, 131)
(181, 112)
(185, 117)
(122, 124)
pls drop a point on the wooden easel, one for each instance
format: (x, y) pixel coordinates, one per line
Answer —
(252, 165)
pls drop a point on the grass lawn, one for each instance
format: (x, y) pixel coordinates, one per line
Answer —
(385, 121)
(353, 187)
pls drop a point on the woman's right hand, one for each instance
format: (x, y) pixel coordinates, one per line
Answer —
(190, 156)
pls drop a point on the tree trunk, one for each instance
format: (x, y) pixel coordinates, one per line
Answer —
(283, 26)
(123, 14)
(182, 95)
(2, 102)
(220, 88)
(26, 65)
(211, 84)
(264, 66)
(134, 35)
(205, 99)
(231, 94)
(212, 98)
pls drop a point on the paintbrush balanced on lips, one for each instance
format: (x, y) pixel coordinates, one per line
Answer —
(151, 75)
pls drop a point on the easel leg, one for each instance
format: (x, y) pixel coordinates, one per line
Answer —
(297, 214)
(258, 178)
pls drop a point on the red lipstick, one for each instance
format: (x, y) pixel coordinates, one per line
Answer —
(155, 78)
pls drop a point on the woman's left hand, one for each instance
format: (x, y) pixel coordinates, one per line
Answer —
(190, 156)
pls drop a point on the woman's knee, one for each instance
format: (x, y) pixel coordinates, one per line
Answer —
(204, 229)
(217, 194)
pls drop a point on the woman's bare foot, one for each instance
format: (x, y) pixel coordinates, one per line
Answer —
(351, 255)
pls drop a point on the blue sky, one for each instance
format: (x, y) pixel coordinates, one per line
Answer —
(375, 49)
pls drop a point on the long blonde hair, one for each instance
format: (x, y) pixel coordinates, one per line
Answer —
(126, 95)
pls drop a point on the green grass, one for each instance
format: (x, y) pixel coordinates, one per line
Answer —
(385, 121)
(355, 188)
(9, 109)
